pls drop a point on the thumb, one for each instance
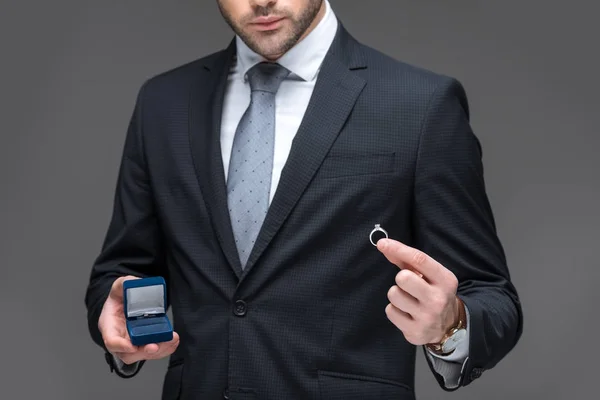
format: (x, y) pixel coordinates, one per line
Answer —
(116, 290)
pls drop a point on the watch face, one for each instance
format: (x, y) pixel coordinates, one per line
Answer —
(454, 340)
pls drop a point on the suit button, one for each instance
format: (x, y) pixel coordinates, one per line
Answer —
(240, 308)
(226, 394)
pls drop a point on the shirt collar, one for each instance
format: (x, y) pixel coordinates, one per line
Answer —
(306, 57)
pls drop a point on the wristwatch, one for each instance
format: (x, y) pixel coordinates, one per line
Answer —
(454, 335)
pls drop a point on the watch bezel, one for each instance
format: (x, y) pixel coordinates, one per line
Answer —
(452, 341)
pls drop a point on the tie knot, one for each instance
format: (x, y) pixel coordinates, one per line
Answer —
(267, 76)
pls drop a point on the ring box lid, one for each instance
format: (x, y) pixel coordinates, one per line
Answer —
(145, 297)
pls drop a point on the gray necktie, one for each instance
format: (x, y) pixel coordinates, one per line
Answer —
(251, 164)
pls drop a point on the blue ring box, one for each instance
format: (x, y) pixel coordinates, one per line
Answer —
(145, 306)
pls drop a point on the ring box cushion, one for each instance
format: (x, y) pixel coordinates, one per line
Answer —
(144, 303)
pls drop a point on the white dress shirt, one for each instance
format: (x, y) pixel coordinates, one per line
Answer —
(304, 61)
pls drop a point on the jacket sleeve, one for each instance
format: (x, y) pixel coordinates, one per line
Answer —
(455, 225)
(133, 243)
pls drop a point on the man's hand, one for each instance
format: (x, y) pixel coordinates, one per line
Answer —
(114, 331)
(423, 303)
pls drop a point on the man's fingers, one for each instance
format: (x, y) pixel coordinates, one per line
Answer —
(401, 319)
(403, 301)
(118, 344)
(161, 349)
(151, 348)
(152, 351)
(127, 351)
(172, 345)
(413, 284)
(173, 342)
(402, 255)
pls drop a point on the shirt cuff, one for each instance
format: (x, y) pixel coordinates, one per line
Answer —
(125, 370)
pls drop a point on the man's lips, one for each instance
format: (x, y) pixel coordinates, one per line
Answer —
(266, 23)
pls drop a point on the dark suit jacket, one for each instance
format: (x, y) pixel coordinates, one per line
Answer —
(381, 142)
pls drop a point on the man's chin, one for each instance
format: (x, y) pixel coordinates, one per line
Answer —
(269, 49)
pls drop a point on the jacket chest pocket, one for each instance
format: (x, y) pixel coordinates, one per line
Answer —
(347, 165)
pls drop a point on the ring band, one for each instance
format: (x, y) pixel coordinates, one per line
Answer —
(380, 229)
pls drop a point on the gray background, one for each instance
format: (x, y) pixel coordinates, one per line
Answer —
(70, 70)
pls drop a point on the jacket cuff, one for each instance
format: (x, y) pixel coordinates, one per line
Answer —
(120, 368)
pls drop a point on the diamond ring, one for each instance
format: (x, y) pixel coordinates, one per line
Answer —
(380, 229)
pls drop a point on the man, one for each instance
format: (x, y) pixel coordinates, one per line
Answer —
(256, 181)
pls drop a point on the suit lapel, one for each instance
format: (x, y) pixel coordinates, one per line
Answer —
(206, 105)
(334, 96)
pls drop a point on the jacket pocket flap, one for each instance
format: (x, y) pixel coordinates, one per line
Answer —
(338, 385)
